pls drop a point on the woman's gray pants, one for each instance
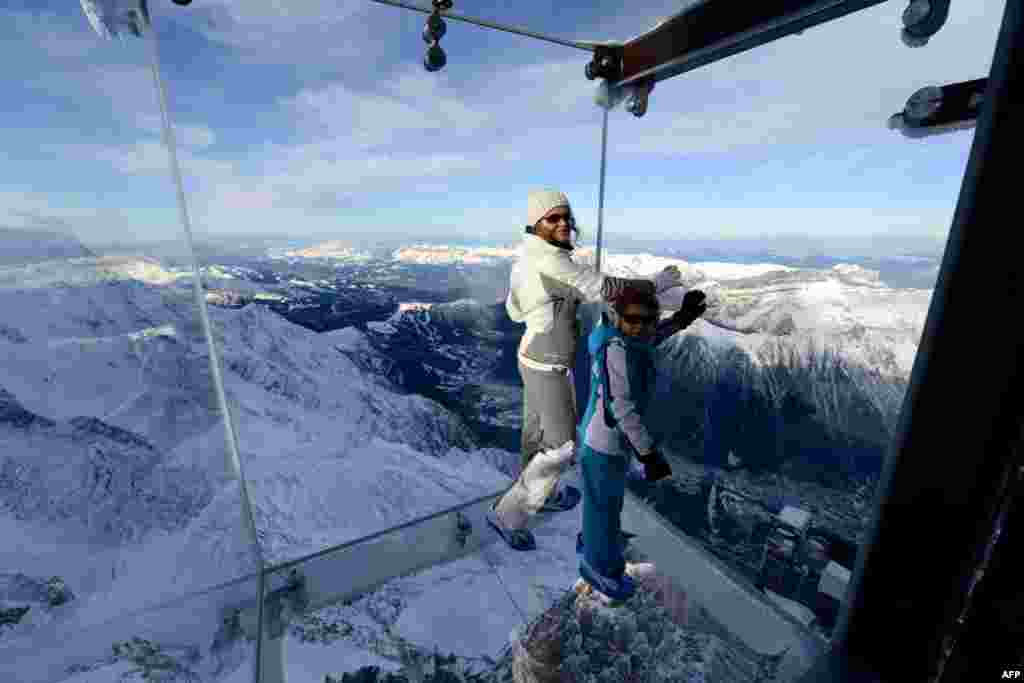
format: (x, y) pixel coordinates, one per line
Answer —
(549, 422)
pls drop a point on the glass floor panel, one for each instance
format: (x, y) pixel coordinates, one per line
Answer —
(474, 607)
(193, 638)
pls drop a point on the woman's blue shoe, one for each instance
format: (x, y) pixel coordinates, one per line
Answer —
(565, 498)
(620, 589)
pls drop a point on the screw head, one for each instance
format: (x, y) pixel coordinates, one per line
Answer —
(435, 59)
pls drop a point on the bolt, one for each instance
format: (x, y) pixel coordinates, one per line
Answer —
(916, 12)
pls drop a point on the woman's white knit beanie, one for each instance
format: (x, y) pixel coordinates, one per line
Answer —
(542, 201)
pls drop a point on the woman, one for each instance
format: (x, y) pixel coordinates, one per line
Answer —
(622, 384)
(546, 286)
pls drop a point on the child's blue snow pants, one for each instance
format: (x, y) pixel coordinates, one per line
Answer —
(604, 489)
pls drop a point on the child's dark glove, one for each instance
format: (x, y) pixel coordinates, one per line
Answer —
(692, 308)
(655, 465)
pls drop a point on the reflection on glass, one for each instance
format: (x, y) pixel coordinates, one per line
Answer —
(477, 608)
(115, 489)
(372, 377)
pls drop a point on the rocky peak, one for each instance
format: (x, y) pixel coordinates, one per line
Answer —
(93, 426)
(14, 414)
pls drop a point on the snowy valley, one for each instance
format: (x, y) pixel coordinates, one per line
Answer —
(115, 475)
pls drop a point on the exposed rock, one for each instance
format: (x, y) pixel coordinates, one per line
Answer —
(14, 414)
(227, 298)
(12, 615)
(20, 594)
(580, 638)
(12, 334)
(57, 592)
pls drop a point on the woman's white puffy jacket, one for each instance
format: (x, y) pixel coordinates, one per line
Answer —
(545, 289)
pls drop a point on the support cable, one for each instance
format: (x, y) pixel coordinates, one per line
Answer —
(579, 45)
(234, 458)
(600, 187)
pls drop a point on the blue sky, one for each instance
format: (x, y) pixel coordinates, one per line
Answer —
(315, 118)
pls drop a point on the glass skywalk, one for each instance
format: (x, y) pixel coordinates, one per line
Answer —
(131, 543)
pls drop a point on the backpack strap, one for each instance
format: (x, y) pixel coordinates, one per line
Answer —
(609, 419)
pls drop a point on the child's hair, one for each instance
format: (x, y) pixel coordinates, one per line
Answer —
(634, 296)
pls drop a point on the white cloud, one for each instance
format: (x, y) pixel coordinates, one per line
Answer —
(483, 108)
(147, 157)
(294, 32)
(27, 208)
(192, 136)
(57, 35)
(838, 82)
(384, 126)
(685, 222)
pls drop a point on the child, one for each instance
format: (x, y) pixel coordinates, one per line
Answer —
(612, 431)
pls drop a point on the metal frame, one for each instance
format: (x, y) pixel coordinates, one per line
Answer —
(992, 628)
(946, 108)
(715, 30)
(354, 568)
(579, 45)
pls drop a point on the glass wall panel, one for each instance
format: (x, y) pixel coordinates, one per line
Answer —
(196, 637)
(356, 227)
(116, 489)
(354, 276)
(427, 597)
(817, 235)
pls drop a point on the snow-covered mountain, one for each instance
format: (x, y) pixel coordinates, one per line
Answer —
(109, 480)
(112, 463)
(813, 362)
(444, 255)
(113, 471)
(333, 250)
(777, 344)
(24, 245)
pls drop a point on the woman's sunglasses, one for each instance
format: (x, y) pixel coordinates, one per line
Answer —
(554, 220)
(640, 319)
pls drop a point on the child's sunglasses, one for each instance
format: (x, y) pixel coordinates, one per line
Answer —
(640, 319)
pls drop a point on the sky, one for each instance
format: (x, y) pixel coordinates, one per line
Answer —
(316, 119)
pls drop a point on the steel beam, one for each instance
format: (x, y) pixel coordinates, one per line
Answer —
(717, 29)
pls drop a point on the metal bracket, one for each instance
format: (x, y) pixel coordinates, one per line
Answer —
(636, 96)
(636, 101)
(229, 632)
(279, 606)
(282, 603)
(606, 64)
(935, 110)
(435, 28)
